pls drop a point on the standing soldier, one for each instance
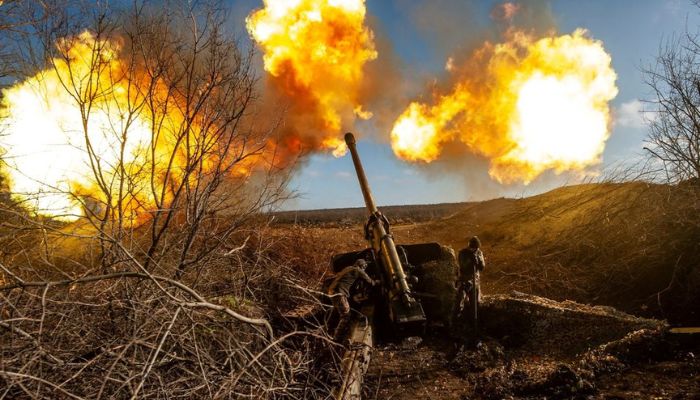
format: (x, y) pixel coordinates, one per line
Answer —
(339, 290)
(471, 263)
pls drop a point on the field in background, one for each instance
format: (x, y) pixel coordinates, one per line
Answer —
(358, 215)
(630, 245)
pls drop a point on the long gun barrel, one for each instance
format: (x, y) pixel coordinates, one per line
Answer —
(381, 240)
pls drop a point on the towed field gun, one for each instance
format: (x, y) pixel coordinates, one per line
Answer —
(415, 279)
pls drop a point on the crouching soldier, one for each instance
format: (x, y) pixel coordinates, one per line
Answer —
(339, 290)
(471, 263)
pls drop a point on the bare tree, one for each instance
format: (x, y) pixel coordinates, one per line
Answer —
(9, 23)
(202, 156)
(674, 114)
(158, 288)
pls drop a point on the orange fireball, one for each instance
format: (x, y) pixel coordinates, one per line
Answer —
(315, 52)
(50, 159)
(96, 135)
(528, 105)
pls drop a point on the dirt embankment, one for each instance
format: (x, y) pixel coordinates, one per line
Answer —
(534, 348)
(633, 246)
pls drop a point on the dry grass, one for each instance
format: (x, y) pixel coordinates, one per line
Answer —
(629, 245)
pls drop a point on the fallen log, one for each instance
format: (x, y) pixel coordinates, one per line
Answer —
(356, 358)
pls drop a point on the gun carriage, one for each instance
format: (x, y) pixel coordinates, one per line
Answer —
(415, 279)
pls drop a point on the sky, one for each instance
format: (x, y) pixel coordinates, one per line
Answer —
(423, 34)
(415, 38)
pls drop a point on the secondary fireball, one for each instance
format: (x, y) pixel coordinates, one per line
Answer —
(527, 104)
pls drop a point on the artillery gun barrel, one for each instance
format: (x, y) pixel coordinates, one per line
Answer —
(364, 185)
(382, 241)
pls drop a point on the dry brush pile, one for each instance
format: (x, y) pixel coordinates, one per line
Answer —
(166, 283)
(136, 332)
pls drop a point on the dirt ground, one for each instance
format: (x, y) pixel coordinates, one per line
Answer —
(422, 372)
(555, 351)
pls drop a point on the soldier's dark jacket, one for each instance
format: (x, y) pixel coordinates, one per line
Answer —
(345, 278)
(468, 258)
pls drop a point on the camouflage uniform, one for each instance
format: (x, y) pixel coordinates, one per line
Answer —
(471, 263)
(339, 290)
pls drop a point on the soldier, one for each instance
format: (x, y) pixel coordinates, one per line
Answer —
(471, 263)
(339, 290)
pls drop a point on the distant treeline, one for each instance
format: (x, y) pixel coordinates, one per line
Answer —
(358, 215)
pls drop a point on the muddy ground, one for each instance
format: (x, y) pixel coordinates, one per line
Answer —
(534, 348)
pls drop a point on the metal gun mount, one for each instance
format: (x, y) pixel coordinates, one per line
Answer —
(416, 287)
(404, 309)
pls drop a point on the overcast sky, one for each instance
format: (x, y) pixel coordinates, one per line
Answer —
(422, 34)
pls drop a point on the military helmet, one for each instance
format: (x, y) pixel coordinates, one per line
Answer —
(474, 242)
(361, 263)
